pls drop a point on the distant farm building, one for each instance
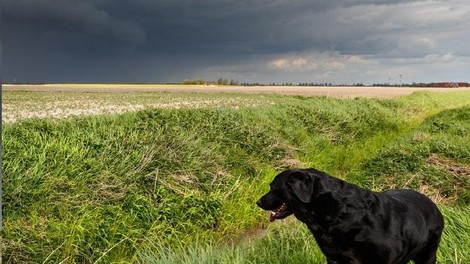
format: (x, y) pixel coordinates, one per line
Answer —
(451, 84)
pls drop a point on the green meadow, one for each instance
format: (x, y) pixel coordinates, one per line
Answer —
(179, 184)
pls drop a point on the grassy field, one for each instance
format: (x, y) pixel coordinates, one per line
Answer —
(163, 185)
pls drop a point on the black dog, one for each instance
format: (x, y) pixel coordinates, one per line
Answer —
(355, 225)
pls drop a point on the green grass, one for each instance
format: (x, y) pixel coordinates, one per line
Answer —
(434, 157)
(291, 242)
(178, 184)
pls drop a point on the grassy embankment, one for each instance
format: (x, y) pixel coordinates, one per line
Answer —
(180, 185)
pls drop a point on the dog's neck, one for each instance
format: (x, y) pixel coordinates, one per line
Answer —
(331, 200)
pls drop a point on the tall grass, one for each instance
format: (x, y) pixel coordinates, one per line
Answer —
(291, 242)
(434, 158)
(125, 188)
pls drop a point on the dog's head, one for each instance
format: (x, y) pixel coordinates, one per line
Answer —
(287, 190)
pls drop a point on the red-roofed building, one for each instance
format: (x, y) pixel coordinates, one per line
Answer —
(451, 84)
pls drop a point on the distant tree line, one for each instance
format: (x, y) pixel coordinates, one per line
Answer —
(433, 84)
(225, 81)
(300, 84)
(220, 81)
(195, 81)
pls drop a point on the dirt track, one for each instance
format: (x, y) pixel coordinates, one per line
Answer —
(343, 92)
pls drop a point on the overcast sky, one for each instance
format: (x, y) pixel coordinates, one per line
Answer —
(337, 41)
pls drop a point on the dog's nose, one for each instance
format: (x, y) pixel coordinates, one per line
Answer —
(258, 203)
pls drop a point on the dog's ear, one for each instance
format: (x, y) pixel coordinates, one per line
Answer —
(301, 184)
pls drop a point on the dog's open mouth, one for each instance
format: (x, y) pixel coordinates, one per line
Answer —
(279, 213)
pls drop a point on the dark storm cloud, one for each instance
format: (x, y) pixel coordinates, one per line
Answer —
(66, 22)
(79, 39)
(230, 27)
(206, 26)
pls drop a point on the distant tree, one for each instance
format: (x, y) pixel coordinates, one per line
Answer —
(234, 82)
(224, 81)
(195, 81)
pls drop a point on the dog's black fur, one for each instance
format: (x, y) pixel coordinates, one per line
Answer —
(355, 225)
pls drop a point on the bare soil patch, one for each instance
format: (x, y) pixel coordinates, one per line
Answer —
(455, 168)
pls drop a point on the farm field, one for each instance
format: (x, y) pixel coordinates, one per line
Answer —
(67, 100)
(21, 105)
(172, 177)
(333, 91)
